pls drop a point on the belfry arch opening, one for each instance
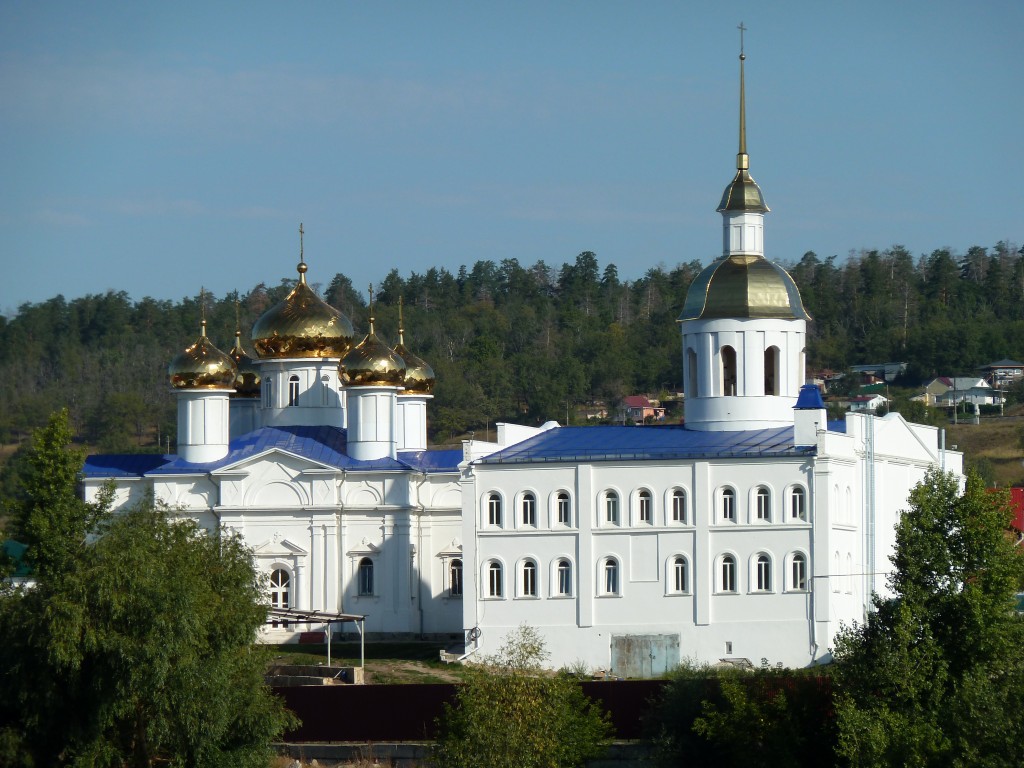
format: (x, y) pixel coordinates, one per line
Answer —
(728, 371)
(691, 373)
(771, 371)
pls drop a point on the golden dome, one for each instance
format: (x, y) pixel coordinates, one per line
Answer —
(743, 286)
(247, 380)
(371, 363)
(202, 366)
(743, 194)
(419, 376)
(303, 325)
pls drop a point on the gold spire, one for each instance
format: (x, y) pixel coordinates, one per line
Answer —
(742, 194)
(202, 309)
(742, 161)
(401, 323)
(371, 309)
(302, 258)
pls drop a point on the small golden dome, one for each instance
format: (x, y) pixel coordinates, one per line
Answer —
(303, 325)
(247, 381)
(202, 366)
(371, 363)
(419, 376)
(743, 194)
(743, 286)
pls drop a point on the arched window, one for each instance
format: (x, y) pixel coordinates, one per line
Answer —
(691, 373)
(268, 393)
(494, 580)
(729, 505)
(280, 589)
(564, 508)
(611, 576)
(728, 371)
(798, 503)
(678, 506)
(325, 390)
(529, 582)
(529, 508)
(798, 572)
(455, 578)
(680, 575)
(836, 578)
(293, 390)
(771, 371)
(366, 576)
(611, 507)
(645, 506)
(564, 570)
(727, 574)
(764, 573)
(849, 573)
(764, 505)
(493, 509)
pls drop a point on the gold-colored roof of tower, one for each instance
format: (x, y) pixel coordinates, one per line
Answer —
(202, 365)
(419, 376)
(743, 286)
(742, 194)
(303, 325)
(371, 363)
(247, 380)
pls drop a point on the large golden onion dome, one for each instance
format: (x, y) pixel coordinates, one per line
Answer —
(247, 380)
(371, 363)
(419, 376)
(743, 286)
(202, 366)
(303, 325)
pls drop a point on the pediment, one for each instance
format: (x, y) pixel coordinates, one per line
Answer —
(364, 547)
(275, 456)
(452, 549)
(275, 547)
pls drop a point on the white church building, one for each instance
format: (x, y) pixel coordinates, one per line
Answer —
(752, 531)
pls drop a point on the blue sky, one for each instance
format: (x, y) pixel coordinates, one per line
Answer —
(159, 147)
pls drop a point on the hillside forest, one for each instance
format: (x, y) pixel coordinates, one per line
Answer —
(509, 342)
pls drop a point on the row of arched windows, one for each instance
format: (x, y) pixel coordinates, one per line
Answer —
(728, 378)
(842, 579)
(677, 576)
(761, 506)
(307, 398)
(761, 577)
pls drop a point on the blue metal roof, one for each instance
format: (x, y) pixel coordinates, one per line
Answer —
(836, 426)
(123, 464)
(432, 461)
(642, 443)
(322, 444)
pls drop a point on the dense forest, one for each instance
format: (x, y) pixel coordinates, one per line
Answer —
(511, 342)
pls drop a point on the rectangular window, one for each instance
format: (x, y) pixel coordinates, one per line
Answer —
(729, 505)
(678, 507)
(564, 578)
(530, 580)
(529, 510)
(645, 507)
(564, 509)
(611, 506)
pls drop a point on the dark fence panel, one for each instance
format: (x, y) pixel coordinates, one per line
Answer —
(410, 712)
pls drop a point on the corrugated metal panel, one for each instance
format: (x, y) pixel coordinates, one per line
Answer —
(645, 443)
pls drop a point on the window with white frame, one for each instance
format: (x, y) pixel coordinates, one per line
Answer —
(727, 574)
(728, 501)
(365, 576)
(529, 579)
(680, 575)
(611, 508)
(455, 578)
(529, 510)
(280, 589)
(763, 573)
(798, 572)
(798, 503)
(679, 506)
(645, 503)
(564, 575)
(494, 509)
(293, 390)
(563, 508)
(268, 393)
(764, 505)
(610, 574)
(495, 582)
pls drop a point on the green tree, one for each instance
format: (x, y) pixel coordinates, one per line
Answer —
(935, 676)
(135, 647)
(510, 713)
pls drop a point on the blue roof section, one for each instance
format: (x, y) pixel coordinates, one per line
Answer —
(838, 425)
(324, 445)
(123, 464)
(642, 443)
(433, 461)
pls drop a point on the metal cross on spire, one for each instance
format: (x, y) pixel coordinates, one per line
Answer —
(302, 258)
(742, 29)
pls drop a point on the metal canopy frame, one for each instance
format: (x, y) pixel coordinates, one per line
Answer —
(299, 616)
